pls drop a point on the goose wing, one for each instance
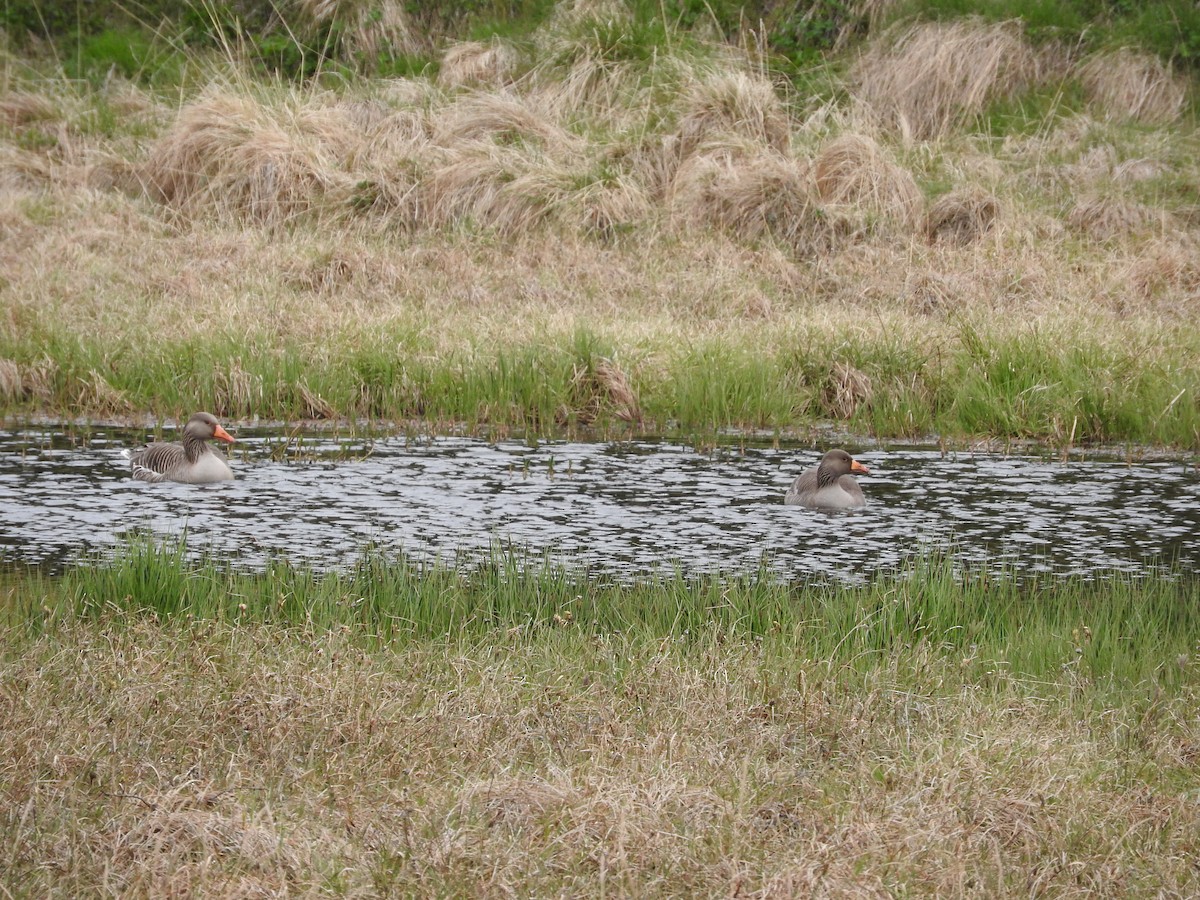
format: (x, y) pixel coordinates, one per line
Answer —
(803, 489)
(156, 462)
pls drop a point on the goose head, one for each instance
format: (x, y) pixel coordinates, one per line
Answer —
(204, 426)
(837, 463)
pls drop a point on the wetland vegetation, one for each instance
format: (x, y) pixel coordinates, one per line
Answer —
(611, 218)
(515, 728)
(666, 218)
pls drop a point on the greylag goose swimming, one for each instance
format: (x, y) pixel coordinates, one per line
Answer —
(192, 462)
(829, 484)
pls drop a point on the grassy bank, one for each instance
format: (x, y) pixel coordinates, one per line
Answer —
(1115, 633)
(1057, 388)
(172, 727)
(606, 224)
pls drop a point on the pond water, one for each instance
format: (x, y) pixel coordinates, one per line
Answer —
(625, 508)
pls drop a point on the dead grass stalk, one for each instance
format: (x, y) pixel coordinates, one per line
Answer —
(927, 80)
(1138, 86)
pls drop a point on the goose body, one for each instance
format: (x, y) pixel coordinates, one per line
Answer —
(829, 484)
(191, 462)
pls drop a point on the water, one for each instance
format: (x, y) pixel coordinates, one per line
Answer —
(623, 508)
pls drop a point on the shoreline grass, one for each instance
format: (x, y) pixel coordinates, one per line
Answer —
(1117, 631)
(1022, 387)
(522, 732)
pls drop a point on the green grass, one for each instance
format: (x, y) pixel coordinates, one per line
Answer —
(179, 725)
(1030, 386)
(1113, 633)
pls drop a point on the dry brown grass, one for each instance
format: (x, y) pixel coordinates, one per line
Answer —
(853, 169)
(1105, 218)
(733, 104)
(19, 108)
(1168, 270)
(472, 63)
(961, 217)
(602, 208)
(1129, 84)
(602, 387)
(478, 217)
(509, 190)
(12, 385)
(929, 293)
(846, 390)
(231, 156)
(101, 396)
(23, 170)
(26, 382)
(152, 760)
(507, 120)
(237, 393)
(369, 28)
(750, 193)
(931, 79)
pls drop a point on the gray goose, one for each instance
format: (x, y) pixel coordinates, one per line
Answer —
(829, 484)
(191, 462)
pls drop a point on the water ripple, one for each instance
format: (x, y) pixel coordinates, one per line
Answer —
(625, 508)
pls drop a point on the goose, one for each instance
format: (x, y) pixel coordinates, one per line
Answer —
(829, 484)
(192, 462)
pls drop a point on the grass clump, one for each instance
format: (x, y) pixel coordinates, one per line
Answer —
(928, 80)
(853, 169)
(1134, 85)
(231, 154)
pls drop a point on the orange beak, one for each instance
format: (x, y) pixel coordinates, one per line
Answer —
(222, 435)
(856, 466)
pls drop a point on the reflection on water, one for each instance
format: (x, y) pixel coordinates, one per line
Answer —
(622, 508)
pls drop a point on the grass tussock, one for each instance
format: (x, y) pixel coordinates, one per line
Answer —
(491, 63)
(1166, 268)
(853, 169)
(232, 156)
(1109, 218)
(12, 383)
(929, 79)
(23, 108)
(364, 29)
(602, 389)
(510, 191)
(1138, 86)
(733, 104)
(847, 390)
(751, 194)
(961, 217)
(508, 121)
